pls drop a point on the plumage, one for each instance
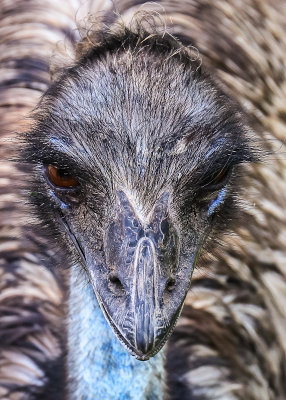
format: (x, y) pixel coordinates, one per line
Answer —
(229, 342)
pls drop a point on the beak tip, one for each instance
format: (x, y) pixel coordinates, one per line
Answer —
(142, 357)
(144, 347)
(143, 354)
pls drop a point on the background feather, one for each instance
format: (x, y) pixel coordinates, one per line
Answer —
(230, 342)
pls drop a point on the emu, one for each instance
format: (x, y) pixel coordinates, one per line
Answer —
(135, 158)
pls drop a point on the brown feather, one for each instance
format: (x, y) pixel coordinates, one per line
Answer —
(230, 342)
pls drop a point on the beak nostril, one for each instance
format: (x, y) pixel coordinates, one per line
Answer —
(171, 282)
(115, 281)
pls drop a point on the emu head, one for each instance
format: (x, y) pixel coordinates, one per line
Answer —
(134, 152)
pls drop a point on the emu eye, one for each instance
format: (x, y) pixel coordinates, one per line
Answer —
(221, 176)
(217, 179)
(60, 177)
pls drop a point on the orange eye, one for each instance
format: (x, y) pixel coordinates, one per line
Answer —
(61, 178)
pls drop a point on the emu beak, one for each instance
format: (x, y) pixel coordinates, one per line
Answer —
(137, 280)
(145, 295)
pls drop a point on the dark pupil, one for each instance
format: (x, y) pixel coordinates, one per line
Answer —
(62, 173)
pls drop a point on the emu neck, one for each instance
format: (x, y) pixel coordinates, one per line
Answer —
(98, 366)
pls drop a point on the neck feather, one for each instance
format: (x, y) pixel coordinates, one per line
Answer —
(98, 366)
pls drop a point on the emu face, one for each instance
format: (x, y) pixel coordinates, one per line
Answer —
(134, 152)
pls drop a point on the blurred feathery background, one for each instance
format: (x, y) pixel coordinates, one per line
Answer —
(230, 340)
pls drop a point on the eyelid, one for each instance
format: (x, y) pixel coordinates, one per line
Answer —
(226, 172)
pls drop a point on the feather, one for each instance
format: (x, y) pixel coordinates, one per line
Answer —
(230, 341)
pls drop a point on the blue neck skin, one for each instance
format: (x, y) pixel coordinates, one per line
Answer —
(99, 368)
